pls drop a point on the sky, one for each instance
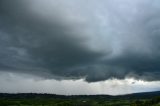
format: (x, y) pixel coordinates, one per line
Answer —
(79, 47)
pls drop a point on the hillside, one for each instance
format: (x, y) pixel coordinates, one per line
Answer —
(34, 99)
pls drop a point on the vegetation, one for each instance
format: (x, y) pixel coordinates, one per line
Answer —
(93, 100)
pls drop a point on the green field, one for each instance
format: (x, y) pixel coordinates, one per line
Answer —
(94, 100)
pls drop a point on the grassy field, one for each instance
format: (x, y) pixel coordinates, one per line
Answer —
(94, 100)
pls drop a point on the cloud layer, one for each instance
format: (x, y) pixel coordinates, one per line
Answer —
(94, 40)
(20, 83)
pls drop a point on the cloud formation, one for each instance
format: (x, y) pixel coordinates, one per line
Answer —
(20, 83)
(94, 40)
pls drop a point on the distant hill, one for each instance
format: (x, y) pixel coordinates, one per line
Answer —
(143, 95)
(35, 99)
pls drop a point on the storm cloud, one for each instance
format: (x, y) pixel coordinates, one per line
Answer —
(94, 40)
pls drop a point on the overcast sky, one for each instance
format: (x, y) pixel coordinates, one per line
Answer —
(99, 46)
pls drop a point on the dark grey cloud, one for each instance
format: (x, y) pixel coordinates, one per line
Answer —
(30, 43)
(105, 39)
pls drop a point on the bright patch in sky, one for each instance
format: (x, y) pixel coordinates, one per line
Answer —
(19, 83)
